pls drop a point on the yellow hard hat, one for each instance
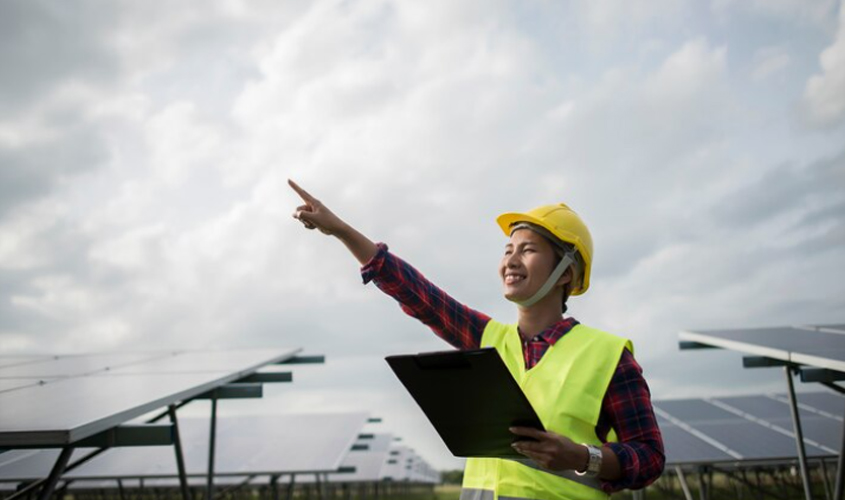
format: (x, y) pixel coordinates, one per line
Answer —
(563, 223)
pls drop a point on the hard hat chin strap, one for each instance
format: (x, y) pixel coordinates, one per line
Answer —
(544, 290)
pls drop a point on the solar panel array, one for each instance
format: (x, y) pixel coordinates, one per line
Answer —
(58, 400)
(246, 445)
(748, 428)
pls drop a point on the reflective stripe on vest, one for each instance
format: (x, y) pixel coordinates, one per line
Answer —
(582, 362)
(479, 494)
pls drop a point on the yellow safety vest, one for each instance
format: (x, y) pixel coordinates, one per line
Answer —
(566, 388)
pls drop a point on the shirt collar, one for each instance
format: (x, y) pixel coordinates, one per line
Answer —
(553, 333)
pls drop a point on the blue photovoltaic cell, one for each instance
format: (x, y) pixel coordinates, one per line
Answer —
(755, 442)
(758, 406)
(683, 448)
(694, 410)
(824, 401)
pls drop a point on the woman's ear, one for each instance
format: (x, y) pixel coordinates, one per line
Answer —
(565, 278)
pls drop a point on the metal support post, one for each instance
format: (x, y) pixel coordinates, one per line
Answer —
(56, 473)
(318, 486)
(274, 486)
(180, 457)
(799, 436)
(683, 480)
(840, 469)
(825, 481)
(289, 494)
(209, 485)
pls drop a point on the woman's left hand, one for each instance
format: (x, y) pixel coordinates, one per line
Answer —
(551, 451)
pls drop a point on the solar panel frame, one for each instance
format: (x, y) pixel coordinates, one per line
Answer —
(811, 347)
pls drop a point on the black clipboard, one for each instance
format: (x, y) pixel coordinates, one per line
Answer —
(470, 398)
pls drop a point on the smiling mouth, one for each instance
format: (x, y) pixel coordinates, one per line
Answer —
(512, 279)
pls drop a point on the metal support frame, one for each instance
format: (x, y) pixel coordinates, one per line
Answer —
(703, 484)
(56, 473)
(319, 486)
(799, 435)
(840, 469)
(291, 484)
(811, 374)
(209, 485)
(274, 486)
(761, 362)
(234, 391)
(304, 360)
(180, 457)
(690, 344)
(825, 480)
(130, 435)
(29, 488)
(757, 488)
(683, 480)
(268, 377)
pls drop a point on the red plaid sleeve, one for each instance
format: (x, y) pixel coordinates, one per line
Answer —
(452, 321)
(627, 409)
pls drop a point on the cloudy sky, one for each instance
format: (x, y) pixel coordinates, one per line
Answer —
(144, 148)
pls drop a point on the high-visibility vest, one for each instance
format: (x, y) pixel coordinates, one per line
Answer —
(566, 388)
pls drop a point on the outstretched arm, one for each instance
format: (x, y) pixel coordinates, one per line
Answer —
(314, 215)
(456, 323)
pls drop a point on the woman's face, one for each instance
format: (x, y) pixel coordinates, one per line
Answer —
(526, 265)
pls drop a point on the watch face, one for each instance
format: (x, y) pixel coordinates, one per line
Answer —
(594, 464)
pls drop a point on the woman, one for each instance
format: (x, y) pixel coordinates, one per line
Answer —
(587, 388)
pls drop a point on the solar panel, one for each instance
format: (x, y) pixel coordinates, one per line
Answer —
(832, 358)
(24, 465)
(394, 467)
(815, 348)
(10, 384)
(826, 402)
(756, 428)
(684, 448)
(20, 360)
(755, 442)
(76, 365)
(246, 445)
(695, 410)
(66, 410)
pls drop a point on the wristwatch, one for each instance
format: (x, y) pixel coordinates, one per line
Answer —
(593, 463)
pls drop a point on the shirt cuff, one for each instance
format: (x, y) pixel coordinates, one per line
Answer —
(629, 461)
(372, 268)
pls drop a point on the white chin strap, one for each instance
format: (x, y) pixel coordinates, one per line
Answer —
(544, 290)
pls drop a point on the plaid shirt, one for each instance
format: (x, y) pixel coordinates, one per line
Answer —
(627, 402)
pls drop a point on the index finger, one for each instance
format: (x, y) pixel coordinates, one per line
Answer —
(301, 192)
(528, 432)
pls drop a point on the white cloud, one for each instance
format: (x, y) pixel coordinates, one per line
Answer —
(769, 61)
(813, 11)
(824, 94)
